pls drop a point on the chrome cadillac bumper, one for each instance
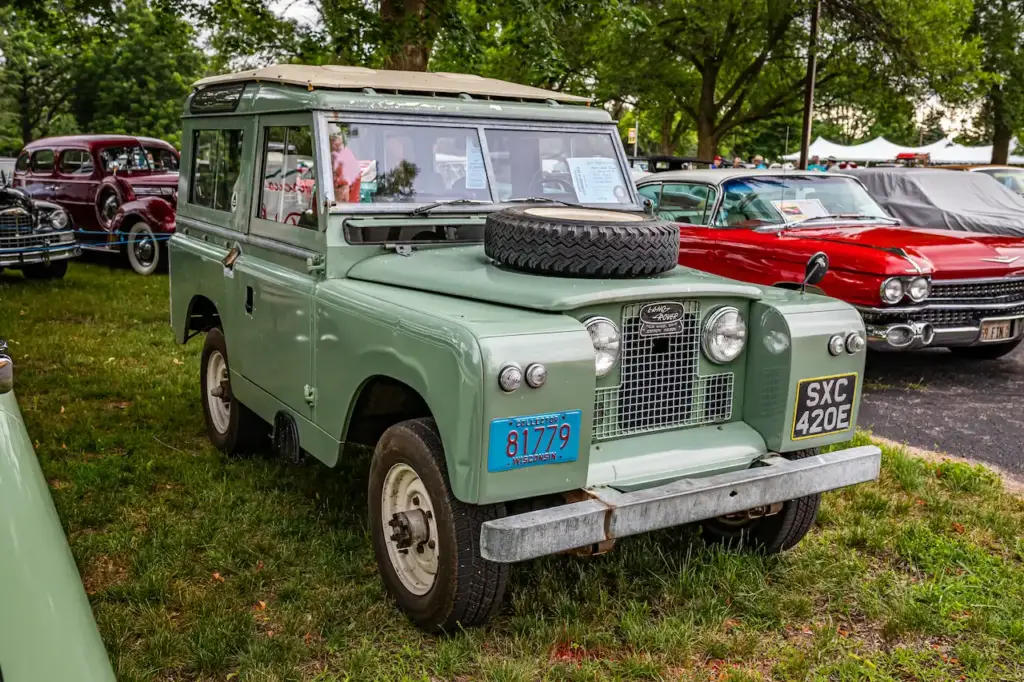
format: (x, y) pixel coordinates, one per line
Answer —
(610, 514)
(18, 256)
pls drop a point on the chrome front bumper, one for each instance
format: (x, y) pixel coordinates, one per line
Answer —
(16, 257)
(610, 514)
(914, 335)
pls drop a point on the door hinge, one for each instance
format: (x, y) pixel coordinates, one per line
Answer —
(309, 393)
(315, 265)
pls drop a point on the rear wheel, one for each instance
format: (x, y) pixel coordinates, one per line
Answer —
(772, 533)
(230, 425)
(52, 270)
(426, 541)
(988, 351)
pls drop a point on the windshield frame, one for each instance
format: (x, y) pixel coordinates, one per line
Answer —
(322, 120)
(797, 175)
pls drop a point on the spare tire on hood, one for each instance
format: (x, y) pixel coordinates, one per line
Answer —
(581, 242)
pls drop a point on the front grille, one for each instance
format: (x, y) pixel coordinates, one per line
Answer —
(15, 221)
(1007, 289)
(660, 386)
(18, 243)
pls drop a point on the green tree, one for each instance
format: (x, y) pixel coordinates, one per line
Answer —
(1000, 25)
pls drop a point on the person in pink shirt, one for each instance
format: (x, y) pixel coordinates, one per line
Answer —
(345, 169)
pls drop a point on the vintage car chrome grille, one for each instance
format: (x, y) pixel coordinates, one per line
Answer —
(980, 291)
(15, 221)
(18, 243)
(945, 317)
(660, 386)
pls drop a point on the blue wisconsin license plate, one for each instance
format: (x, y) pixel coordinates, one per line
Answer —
(517, 442)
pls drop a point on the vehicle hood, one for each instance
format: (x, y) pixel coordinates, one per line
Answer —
(14, 198)
(465, 272)
(151, 179)
(946, 254)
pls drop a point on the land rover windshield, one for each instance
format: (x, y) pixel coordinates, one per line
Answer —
(376, 164)
(810, 199)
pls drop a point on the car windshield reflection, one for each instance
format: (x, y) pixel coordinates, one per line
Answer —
(791, 200)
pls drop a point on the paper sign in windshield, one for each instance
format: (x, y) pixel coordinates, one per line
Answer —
(597, 180)
(793, 210)
(476, 175)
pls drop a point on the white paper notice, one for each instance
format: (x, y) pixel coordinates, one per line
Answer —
(597, 180)
(793, 210)
(476, 174)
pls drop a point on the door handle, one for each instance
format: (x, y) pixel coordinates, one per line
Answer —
(248, 300)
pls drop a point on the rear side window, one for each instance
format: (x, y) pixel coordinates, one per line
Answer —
(289, 176)
(21, 165)
(75, 162)
(42, 161)
(216, 161)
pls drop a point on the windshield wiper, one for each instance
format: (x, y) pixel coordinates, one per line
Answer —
(549, 200)
(425, 210)
(843, 216)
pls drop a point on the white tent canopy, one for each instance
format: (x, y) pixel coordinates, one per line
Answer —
(881, 149)
(878, 149)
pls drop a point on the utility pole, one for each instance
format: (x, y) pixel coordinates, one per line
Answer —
(812, 67)
(636, 140)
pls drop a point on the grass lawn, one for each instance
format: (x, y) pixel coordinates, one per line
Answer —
(201, 568)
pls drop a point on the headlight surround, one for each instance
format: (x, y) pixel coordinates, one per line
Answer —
(725, 335)
(892, 290)
(918, 289)
(605, 337)
(59, 219)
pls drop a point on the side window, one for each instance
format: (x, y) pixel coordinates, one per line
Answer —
(288, 191)
(686, 203)
(42, 161)
(76, 162)
(21, 165)
(216, 161)
(652, 192)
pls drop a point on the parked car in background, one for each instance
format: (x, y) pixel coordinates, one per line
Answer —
(121, 191)
(913, 287)
(938, 199)
(535, 377)
(36, 237)
(47, 630)
(1011, 177)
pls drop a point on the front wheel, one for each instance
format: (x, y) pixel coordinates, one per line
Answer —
(143, 249)
(772, 533)
(231, 426)
(988, 351)
(426, 541)
(52, 270)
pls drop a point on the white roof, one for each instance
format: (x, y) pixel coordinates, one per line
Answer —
(357, 78)
(878, 149)
(959, 154)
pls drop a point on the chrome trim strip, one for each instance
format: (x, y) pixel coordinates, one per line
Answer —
(896, 310)
(980, 280)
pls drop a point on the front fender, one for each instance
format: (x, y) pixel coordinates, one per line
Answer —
(156, 212)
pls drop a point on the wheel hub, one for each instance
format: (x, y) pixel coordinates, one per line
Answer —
(407, 517)
(411, 528)
(144, 250)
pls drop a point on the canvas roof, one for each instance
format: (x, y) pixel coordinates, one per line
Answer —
(357, 78)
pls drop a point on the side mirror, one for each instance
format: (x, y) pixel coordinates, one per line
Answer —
(648, 206)
(6, 370)
(815, 271)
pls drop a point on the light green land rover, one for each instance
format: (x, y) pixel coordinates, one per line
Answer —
(456, 272)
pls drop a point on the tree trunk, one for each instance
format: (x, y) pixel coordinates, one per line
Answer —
(707, 114)
(707, 140)
(409, 27)
(24, 111)
(1001, 132)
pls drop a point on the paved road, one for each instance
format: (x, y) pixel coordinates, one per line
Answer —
(936, 401)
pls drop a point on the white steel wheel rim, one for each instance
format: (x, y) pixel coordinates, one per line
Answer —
(403, 491)
(220, 410)
(143, 250)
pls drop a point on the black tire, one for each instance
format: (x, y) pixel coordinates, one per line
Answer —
(988, 351)
(52, 270)
(142, 249)
(582, 243)
(769, 534)
(245, 432)
(467, 590)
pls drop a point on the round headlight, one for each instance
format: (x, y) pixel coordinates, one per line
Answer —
(892, 290)
(725, 332)
(510, 378)
(919, 288)
(59, 219)
(605, 337)
(836, 344)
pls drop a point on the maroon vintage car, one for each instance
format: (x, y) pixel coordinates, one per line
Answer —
(913, 287)
(120, 190)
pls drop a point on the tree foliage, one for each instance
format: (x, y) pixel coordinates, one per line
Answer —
(999, 25)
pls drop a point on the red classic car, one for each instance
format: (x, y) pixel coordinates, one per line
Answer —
(913, 287)
(121, 191)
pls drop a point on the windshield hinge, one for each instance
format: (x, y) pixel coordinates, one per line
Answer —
(400, 249)
(315, 265)
(309, 393)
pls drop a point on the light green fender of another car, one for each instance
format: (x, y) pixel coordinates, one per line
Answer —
(47, 631)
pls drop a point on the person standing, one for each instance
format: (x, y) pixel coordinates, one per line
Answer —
(738, 163)
(758, 161)
(815, 164)
(831, 163)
